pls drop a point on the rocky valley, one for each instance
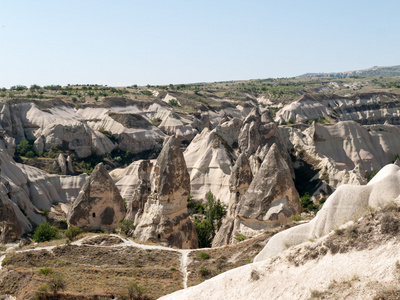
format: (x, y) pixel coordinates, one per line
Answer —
(259, 189)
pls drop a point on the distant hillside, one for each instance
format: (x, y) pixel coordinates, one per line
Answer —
(371, 72)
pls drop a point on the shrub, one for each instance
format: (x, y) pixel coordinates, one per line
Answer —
(30, 154)
(62, 224)
(56, 148)
(204, 271)
(42, 293)
(127, 226)
(46, 271)
(174, 102)
(136, 292)
(23, 148)
(305, 201)
(45, 212)
(240, 238)
(206, 229)
(204, 233)
(389, 224)
(156, 121)
(72, 232)
(203, 255)
(56, 284)
(297, 218)
(45, 232)
(194, 207)
(395, 157)
(147, 93)
(373, 173)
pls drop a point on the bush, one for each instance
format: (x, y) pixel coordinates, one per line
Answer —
(297, 218)
(307, 203)
(372, 175)
(174, 102)
(23, 148)
(45, 232)
(56, 284)
(136, 292)
(204, 271)
(72, 232)
(127, 226)
(240, 238)
(42, 293)
(389, 224)
(206, 229)
(194, 207)
(45, 212)
(147, 93)
(30, 154)
(46, 271)
(156, 121)
(203, 255)
(204, 233)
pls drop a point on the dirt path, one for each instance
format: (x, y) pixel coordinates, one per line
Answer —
(184, 259)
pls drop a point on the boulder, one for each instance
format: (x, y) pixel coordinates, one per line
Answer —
(165, 216)
(99, 205)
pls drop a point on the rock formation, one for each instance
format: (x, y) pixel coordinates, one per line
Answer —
(270, 199)
(63, 164)
(10, 228)
(99, 205)
(165, 216)
(134, 184)
(345, 153)
(209, 161)
(364, 108)
(346, 203)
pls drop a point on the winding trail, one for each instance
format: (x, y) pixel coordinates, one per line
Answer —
(184, 259)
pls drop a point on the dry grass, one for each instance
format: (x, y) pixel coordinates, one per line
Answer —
(89, 270)
(226, 258)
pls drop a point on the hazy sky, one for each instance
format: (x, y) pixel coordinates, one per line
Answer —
(121, 42)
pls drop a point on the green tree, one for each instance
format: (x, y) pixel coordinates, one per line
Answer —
(204, 232)
(207, 228)
(23, 148)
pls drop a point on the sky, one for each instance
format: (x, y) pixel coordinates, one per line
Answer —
(121, 42)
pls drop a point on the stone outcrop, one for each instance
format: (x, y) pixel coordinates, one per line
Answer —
(99, 205)
(53, 122)
(31, 190)
(165, 218)
(10, 228)
(376, 108)
(268, 201)
(134, 184)
(209, 162)
(63, 164)
(345, 204)
(179, 127)
(256, 138)
(345, 153)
